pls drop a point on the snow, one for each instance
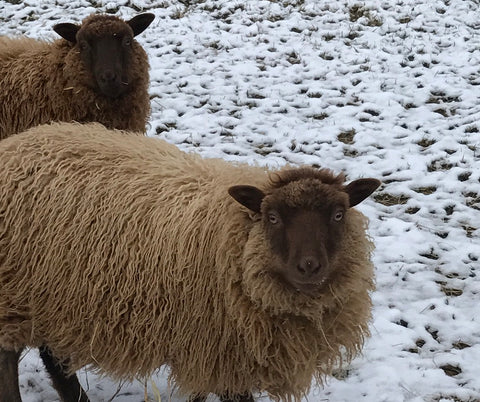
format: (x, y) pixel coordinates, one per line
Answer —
(385, 89)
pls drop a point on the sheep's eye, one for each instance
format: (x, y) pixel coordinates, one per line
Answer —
(127, 42)
(83, 45)
(338, 216)
(273, 218)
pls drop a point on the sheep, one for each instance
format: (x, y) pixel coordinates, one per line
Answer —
(124, 253)
(96, 72)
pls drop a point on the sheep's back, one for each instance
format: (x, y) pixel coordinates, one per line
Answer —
(104, 238)
(12, 47)
(33, 88)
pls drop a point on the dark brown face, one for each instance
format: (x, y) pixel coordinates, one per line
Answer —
(303, 220)
(304, 241)
(108, 60)
(106, 45)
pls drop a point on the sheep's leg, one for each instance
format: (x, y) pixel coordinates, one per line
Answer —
(9, 390)
(197, 399)
(68, 387)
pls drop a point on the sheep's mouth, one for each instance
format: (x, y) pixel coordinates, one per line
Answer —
(308, 288)
(113, 90)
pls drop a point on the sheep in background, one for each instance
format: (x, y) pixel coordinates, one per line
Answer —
(97, 72)
(124, 253)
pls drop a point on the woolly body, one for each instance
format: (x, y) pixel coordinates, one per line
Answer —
(124, 253)
(44, 81)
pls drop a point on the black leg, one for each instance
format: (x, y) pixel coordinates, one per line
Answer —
(197, 399)
(68, 387)
(9, 391)
(246, 397)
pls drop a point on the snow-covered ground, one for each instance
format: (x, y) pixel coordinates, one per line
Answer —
(385, 89)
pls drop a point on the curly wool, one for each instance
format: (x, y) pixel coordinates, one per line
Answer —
(124, 253)
(41, 82)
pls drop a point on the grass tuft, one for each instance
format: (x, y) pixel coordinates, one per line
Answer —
(390, 200)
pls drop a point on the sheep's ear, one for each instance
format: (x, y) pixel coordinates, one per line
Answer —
(360, 189)
(140, 22)
(67, 31)
(249, 196)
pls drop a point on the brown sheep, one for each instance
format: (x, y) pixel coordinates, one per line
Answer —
(123, 253)
(97, 72)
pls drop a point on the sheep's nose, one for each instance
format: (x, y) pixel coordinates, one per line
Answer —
(108, 76)
(308, 265)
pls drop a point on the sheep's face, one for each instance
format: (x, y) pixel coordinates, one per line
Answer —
(105, 46)
(304, 223)
(303, 240)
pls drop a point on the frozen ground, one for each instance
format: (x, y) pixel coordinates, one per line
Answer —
(387, 89)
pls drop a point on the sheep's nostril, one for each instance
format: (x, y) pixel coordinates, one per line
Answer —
(108, 76)
(308, 265)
